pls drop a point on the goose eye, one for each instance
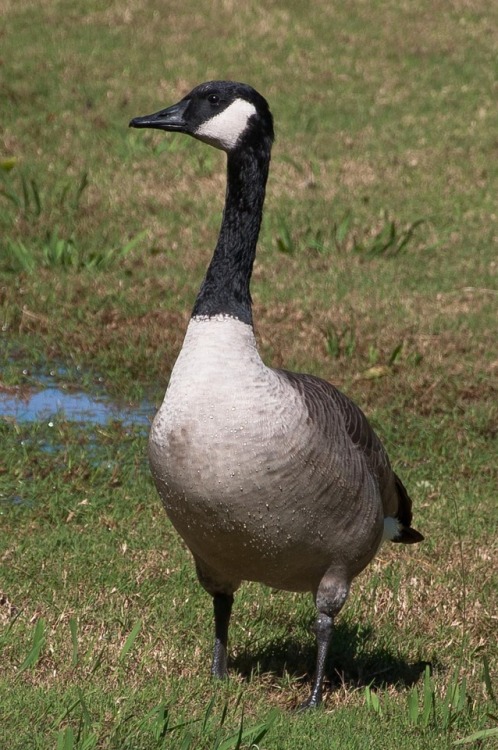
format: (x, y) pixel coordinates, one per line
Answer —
(213, 99)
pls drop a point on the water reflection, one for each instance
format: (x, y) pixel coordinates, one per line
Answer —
(76, 406)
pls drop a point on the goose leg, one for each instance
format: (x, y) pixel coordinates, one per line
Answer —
(323, 629)
(330, 597)
(222, 604)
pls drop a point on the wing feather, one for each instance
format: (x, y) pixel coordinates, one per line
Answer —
(326, 406)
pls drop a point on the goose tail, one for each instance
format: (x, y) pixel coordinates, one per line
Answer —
(398, 528)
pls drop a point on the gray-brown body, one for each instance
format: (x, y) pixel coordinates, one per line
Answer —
(260, 481)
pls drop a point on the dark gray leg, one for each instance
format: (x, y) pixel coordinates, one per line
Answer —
(323, 630)
(222, 611)
(330, 597)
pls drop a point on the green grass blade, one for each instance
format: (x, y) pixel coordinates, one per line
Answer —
(36, 197)
(87, 719)
(285, 243)
(128, 645)
(83, 184)
(160, 721)
(406, 237)
(448, 704)
(462, 698)
(383, 240)
(188, 741)
(224, 714)
(65, 739)
(228, 743)
(252, 735)
(5, 635)
(487, 679)
(428, 698)
(128, 247)
(262, 729)
(21, 257)
(63, 195)
(98, 660)
(483, 734)
(376, 703)
(455, 699)
(342, 229)
(11, 195)
(67, 712)
(89, 742)
(413, 709)
(395, 354)
(25, 193)
(39, 640)
(207, 714)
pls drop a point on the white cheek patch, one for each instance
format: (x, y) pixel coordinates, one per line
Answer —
(224, 130)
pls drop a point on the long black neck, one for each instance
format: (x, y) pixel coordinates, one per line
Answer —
(225, 289)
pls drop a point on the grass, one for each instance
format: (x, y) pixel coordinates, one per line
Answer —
(376, 270)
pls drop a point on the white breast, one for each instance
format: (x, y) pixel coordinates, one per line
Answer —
(221, 410)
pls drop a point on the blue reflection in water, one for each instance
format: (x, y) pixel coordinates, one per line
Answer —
(52, 403)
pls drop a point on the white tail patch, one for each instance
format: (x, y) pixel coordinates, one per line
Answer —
(224, 129)
(392, 529)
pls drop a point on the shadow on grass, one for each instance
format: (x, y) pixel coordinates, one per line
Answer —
(351, 662)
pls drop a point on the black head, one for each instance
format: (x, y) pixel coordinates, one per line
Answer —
(224, 114)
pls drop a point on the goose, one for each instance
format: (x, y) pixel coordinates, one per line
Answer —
(267, 475)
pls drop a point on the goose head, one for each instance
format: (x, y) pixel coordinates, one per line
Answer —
(225, 114)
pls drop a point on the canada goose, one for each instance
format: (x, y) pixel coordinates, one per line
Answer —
(267, 475)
